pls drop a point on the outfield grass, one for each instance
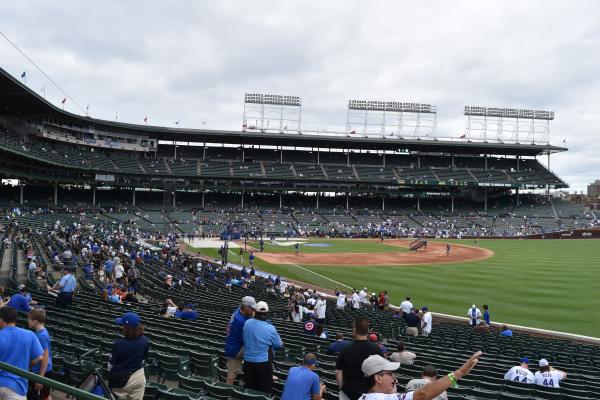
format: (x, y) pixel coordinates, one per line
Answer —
(550, 284)
(337, 246)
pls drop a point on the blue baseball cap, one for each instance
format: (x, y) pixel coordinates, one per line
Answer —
(524, 360)
(129, 319)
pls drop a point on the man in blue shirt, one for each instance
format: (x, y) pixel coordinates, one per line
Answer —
(109, 266)
(260, 338)
(235, 337)
(19, 301)
(486, 314)
(66, 287)
(35, 320)
(338, 345)
(19, 348)
(302, 383)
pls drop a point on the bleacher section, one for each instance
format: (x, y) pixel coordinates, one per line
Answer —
(187, 357)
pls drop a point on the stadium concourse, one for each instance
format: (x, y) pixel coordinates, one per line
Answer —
(186, 358)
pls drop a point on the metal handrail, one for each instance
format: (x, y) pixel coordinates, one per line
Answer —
(70, 390)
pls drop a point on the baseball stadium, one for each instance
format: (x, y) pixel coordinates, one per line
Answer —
(386, 209)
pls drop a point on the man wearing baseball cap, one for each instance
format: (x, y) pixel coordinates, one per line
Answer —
(260, 338)
(303, 383)
(548, 376)
(126, 378)
(235, 337)
(382, 383)
(520, 373)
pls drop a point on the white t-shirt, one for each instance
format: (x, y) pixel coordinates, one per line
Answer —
(119, 271)
(341, 300)
(355, 301)
(548, 378)
(406, 306)
(416, 384)
(363, 296)
(311, 301)
(426, 319)
(320, 308)
(474, 314)
(382, 396)
(282, 287)
(171, 310)
(519, 374)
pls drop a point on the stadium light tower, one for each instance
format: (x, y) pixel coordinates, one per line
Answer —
(391, 118)
(508, 124)
(272, 112)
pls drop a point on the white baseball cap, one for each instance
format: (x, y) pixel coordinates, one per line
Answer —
(249, 301)
(262, 307)
(375, 364)
(543, 362)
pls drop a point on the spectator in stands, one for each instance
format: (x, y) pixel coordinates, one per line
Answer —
(320, 309)
(320, 332)
(4, 299)
(406, 305)
(381, 381)
(505, 331)
(426, 322)
(260, 338)
(355, 299)
(413, 321)
(235, 337)
(120, 274)
(20, 348)
(66, 287)
(302, 382)
(474, 315)
(403, 356)
(347, 367)
(19, 300)
(520, 373)
(373, 338)
(310, 326)
(187, 313)
(341, 301)
(35, 321)
(373, 300)
(126, 376)
(428, 375)
(168, 309)
(486, 315)
(548, 376)
(339, 344)
(386, 300)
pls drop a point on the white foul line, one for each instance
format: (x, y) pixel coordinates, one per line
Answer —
(322, 276)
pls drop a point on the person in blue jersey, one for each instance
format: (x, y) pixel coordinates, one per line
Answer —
(126, 376)
(260, 339)
(35, 321)
(486, 315)
(234, 342)
(19, 301)
(66, 287)
(302, 382)
(20, 348)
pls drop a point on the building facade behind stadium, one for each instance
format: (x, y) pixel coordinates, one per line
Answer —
(275, 183)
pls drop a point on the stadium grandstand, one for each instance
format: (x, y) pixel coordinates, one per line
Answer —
(133, 192)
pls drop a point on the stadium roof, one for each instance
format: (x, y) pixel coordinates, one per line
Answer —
(18, 99)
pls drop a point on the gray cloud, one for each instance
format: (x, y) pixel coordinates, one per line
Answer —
(193, 61)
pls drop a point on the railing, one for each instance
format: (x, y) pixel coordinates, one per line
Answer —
(70, 390)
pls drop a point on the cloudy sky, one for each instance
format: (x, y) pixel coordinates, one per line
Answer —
(193, 61)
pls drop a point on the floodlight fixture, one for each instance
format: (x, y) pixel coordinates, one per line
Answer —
(395, 106)
(509, 113)
(272, 99)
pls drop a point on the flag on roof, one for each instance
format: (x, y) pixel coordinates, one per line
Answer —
(24, 74)
(146, 119)
(64, 100)
(176, 122)
(353, 132)
(462, 136)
